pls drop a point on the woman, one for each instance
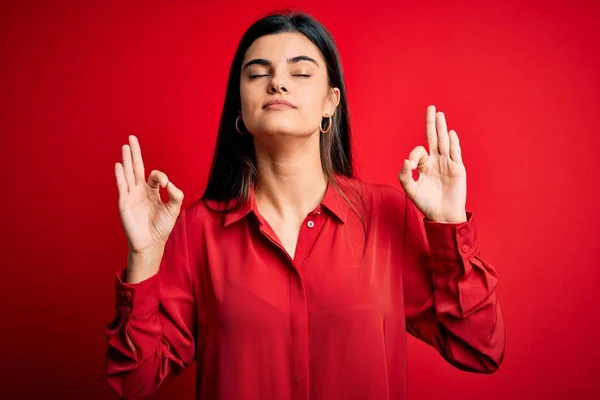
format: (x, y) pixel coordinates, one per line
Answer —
(290, 279)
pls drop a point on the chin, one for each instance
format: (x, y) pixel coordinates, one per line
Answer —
(284, 131)
(281, 125)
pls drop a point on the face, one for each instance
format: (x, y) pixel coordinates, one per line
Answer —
(289, 68)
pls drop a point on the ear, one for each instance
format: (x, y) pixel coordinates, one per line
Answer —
(333, 100)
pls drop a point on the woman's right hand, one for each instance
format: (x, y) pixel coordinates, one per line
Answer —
(146, 219)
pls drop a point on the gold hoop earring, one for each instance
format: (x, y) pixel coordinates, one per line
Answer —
(236, 125)
(329, 124)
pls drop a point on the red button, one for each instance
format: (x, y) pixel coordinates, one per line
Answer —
(465, 248)
(463, 232)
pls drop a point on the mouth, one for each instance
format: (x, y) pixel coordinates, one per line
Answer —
(278, 105)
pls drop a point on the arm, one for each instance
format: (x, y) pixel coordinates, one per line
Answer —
(450, 293)
(153, 333)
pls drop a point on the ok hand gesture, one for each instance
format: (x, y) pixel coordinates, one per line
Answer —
(440, 192)
(146, 219)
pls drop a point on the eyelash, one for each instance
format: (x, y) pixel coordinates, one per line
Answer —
(300, 75)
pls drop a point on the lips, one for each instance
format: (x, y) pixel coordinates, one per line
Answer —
(278, 104)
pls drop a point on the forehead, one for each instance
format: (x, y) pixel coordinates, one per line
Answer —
(281, 46)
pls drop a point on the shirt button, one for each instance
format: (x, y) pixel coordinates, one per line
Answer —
(465, 248)
(318, 212)
(126, 310)
(310, 224)
(463, 232)
(126, 297)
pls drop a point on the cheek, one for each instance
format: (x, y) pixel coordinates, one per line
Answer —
(312, 105)
(245, 96)
(251, 99)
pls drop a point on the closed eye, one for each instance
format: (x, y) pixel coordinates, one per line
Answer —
(261, 75)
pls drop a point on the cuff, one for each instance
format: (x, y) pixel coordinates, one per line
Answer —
(137, 299)
(447, 240)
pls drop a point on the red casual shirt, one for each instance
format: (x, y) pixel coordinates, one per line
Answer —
(328, 324)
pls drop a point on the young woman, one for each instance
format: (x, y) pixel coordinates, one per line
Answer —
(290, 278)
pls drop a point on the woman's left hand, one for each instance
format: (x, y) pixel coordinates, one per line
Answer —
(440, 192)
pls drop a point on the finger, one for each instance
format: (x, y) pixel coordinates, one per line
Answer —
(442, 134)
(431, 132)
(127, 166)
(138, 163)
(406, 179)
(175, 197)
(418, 156)
(156, 179)
(122, 186)
(455, 151)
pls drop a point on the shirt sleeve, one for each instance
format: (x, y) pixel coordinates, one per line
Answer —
(153, 333)
(450, 294)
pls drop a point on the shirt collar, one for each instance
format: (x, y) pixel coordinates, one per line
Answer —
(332, 201)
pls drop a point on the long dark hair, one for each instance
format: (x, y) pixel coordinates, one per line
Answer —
(233, 170)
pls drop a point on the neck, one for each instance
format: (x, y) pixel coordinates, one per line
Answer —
(291, 180)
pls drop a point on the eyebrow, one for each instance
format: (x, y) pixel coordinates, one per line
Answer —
(267, 63)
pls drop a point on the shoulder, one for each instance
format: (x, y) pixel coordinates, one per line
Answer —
(201, 212)
(379, 198)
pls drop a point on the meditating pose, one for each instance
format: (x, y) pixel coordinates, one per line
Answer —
(290, 278)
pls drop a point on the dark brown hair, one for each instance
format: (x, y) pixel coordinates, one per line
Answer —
(233, 170)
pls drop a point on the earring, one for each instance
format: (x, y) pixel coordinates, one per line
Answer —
(329, 124)
(236, 125)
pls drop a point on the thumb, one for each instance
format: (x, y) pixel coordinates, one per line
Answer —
(175, 196)
(406, 178)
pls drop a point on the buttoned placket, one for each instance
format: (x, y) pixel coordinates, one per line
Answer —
(310, 230)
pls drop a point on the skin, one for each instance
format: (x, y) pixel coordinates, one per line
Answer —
(286, 141)
(287, 154)
(440, 192)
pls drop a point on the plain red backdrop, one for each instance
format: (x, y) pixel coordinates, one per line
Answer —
(518, 81)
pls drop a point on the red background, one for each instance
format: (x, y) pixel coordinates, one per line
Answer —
(518, 81)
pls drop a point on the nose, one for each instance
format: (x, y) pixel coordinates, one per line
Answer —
(277, 85)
